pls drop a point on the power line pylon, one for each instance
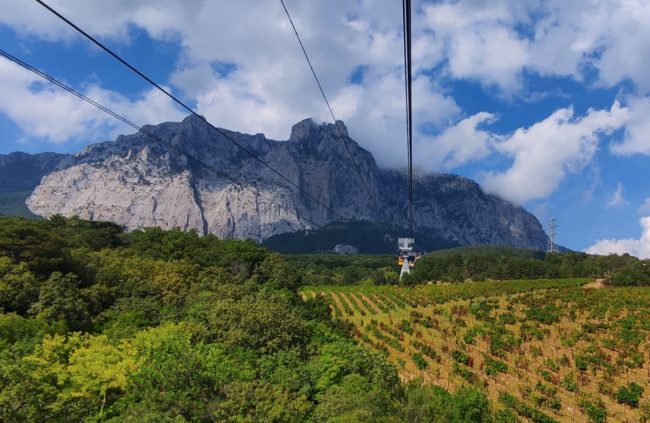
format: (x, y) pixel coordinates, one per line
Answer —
(551, 231)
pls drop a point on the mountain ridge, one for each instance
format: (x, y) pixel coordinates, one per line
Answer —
(135, 182)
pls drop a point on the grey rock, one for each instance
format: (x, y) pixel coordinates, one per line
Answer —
(137, 182)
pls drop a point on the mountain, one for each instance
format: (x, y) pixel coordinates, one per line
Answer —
(23, 172)
(20, 173)
(137, 183)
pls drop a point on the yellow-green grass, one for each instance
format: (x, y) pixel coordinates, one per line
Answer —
(552, 345)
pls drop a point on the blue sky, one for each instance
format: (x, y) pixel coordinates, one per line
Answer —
(544, 103)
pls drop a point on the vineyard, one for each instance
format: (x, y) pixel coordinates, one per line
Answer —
(543, 350)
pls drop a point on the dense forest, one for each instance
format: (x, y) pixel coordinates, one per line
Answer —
(366, 237)
(165, 326)
(477, 263)
(499, 263)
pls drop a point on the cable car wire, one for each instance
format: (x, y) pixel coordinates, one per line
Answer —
(185, 106)
(406, 27)
(329, 107)
(121, 118)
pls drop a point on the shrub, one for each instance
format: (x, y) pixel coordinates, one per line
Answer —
(493, 367)
(426, 349)
(419, 361)
(460, 357)
(569, 383)
(630, 394)
(523, 409)
(582, 363)
(507, 319)
(503, 340)
(406, 327)
(465, 373)
(548, 314)
(594, 409)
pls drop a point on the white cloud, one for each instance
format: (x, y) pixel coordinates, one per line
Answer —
(637, 132)
(636, 247)
(620, 28)
(484, 41)
(458, 144)
(479, 41)
(379, 122)
(271, 88)
(617, 199)
(45, 111)
(545, 152)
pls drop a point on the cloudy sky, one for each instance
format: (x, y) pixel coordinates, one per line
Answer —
(545, 103)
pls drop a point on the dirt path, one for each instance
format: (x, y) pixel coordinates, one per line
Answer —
(597, 284)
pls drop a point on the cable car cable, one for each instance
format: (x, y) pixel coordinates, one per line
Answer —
(121, 118)
(184, 106)
(322, 91)
(406, 26)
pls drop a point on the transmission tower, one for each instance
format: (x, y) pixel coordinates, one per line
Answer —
(551, 231)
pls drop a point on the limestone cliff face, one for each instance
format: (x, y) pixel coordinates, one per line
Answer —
(138, 183)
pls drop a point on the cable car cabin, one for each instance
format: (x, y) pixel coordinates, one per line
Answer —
(406, 252)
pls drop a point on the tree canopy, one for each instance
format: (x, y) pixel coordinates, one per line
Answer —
(165, 326)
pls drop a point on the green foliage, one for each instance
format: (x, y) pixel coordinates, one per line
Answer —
(13, 204)
(434, 404)
(460, 357)
(266, 324)
(405, 326)
(505, 416)
(523, 409)
(547, 314)
(633, 273)
(18, 286)
(342, 269)
(426, 349)
(493, 367)
(20, 335)
(569, 383)
(594, 409)
(489, 262)
(419, 361)
(482, 309)
(582, 363)
(166, 326)
(629, 394)
(465, 373)
(60, 300)
(367, 237)
(472, 406)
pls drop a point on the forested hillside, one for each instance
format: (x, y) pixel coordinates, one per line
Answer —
(478, 263)
(499, 263)
(366, 237)
(162, 326)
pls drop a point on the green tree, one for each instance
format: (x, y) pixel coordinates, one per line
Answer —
(264, 324)
(355, 398)
(99, 372)
(60, 299)
(18, 286)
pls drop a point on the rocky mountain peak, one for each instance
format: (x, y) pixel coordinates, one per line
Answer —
(138, 183)
(308, 130)
(194, 119)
